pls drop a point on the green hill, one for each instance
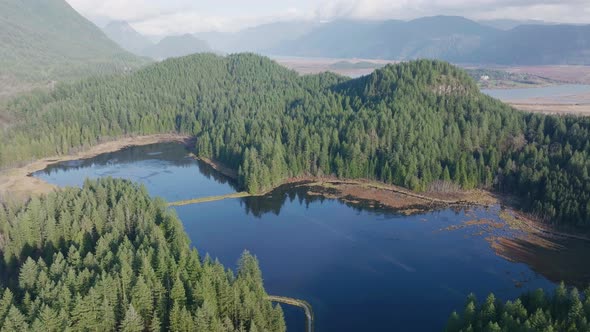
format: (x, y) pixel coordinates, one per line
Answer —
(415, 124)
(46, 40)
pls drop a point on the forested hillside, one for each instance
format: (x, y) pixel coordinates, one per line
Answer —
(47, 40)
(107, 257)
(421, 124)
(535, 311)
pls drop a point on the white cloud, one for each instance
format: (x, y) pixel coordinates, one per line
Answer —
(161, 17)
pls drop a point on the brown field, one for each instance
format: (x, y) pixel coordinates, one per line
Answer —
(564, 74)
(550, 108)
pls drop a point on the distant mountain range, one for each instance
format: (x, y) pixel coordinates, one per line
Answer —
(259, 38)
(172, 46)
(451, 38)
(42, 41)
(430, 37)
(448, 38)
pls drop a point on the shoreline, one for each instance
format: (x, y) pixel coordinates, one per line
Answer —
(17, 183)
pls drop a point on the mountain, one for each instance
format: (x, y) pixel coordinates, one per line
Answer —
(450, 38)
(176, 46)
(419, 124)
(257, 39)
(341, 38)
(507, 24)
(47, 40)
(537, 45)
(126, 37)
(442, 37)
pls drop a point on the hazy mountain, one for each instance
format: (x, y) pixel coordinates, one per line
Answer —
(506, 24)
(176, 46)
(334, 39)
(444, 37)
(448, 38)
(45, 40)
(537, 45)
(259, 38)
(124, 35)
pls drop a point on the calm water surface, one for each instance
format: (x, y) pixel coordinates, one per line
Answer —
(361, 269)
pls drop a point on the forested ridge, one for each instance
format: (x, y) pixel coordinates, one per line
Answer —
(422, 124)
(108, 257)
(564, 310)
(47, 40)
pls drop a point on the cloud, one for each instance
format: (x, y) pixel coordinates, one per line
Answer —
(162, 17)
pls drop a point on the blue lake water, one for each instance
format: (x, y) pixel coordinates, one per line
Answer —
(361, 269)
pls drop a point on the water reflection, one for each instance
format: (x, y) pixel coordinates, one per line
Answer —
(361, 268)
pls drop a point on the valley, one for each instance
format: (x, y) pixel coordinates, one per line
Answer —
(330, 166)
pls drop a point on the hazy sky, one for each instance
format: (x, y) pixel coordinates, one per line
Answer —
(162, 17)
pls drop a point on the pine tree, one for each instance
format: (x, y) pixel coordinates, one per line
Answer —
(132, 321)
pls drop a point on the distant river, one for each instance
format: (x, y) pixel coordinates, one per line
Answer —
(559, 93)
(361, 269)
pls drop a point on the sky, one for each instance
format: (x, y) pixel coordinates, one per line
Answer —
(168, 17)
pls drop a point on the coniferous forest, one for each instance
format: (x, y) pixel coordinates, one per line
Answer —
(410, 124)
(108, 257)
(564, 310)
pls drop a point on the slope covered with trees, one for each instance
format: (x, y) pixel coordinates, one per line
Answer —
(535, 311)
(47, 40)
(421, 124)
(108, 257)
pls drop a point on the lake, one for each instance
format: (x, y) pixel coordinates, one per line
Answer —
(361, 269)
(565, 93)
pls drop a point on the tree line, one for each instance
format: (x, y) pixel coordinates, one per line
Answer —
(108, 257)
(564, 310)
(418, 124)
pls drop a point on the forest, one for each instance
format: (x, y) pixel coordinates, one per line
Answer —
(108, 257)
(423, 125)
(564, 310)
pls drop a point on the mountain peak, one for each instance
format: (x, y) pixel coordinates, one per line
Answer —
(122, 33)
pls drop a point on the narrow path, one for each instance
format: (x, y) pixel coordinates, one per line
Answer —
(209, 199)
(298, 303)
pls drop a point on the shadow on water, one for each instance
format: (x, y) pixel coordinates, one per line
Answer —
(381, 258)
(300, 192)
(167, 154)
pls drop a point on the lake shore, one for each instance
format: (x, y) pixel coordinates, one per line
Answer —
(17, 183)
(376, 193)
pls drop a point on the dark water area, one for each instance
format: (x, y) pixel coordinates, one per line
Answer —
(361, 269)
(166, 169)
